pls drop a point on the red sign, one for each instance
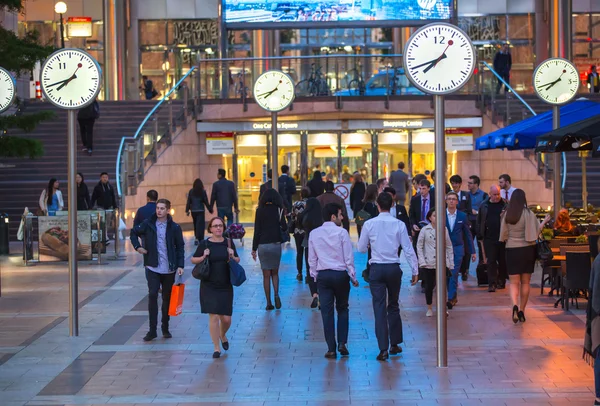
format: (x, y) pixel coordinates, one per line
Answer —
(219, 135)
(79, 27)
(456, 131)
(79, 19)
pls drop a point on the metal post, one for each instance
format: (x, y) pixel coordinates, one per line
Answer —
(556, 168)
(303, 158)
(72, 205)
(117, 233)
(62, 31)
(375, 156)
(584, 192)
(440, 230)
(410, 153)
(339, 156)
(234, 163)
(274, 152)
(222, 39)
(100, 231)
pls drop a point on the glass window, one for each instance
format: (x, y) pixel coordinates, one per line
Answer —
(153, 32)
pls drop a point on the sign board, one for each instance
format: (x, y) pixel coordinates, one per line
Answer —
(343, 191)
(459, 139)
(54, 241)
(79, 27)
(219, 143)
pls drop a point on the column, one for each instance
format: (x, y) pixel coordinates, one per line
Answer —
(542, 30)
(374, 156)
(410, 153)
(132, 67)
(303, 158)
(222, 38)
(114, 49)
(339, 156)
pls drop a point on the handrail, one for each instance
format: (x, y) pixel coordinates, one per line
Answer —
(285, 58)
(141, 127)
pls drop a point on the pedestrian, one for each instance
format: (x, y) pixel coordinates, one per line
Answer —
(416, 183)
(592, 325)
(197, 200)
(316, 184)
(330, 197)
(86, 117)
(216, 292)
(506, 187)
(269, 226)
(164, 254)
(398, 210)
(145, 212)
(477, 196)
(287, 187)
(563, 225)
(464, 205)
(369, 203)
(83, 194)
(399, 181)
(148, 88)
(593, 81)
(298, 231)
(332, 266)
(357, 194)
(448, 188)
(385, 234)
(311, 218)
(267, 185)
(420, 204)
(502, 66)
(462, 244)
(488, 232)
(51, 199)
(426, 252)
(520, 228)
(103, 195)
(225, 196)
(381, 183)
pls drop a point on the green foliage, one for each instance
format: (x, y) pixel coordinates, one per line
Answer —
(582, 239)
(547, 234)
(12, 5)
(20, 55)
(25, 122)
(17, 147)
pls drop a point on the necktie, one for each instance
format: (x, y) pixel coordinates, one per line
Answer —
(423, 212)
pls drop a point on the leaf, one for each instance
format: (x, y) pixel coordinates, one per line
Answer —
(16, 147)
(25, 122)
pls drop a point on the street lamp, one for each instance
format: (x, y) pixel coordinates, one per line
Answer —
(60, 8)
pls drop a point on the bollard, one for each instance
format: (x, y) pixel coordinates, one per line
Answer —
(4, 234)
(100, 243)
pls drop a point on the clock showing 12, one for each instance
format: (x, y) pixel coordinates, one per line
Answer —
(556, 81)
(71, 79)
(7, 89)
(439, 58)
(274, 90)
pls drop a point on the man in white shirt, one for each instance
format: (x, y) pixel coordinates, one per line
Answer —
(331, 264)
(385, 234)
(506, 189)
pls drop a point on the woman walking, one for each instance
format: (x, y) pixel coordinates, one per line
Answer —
(216, 293)
(51, 199)
(311, 218)
(83, 194)
(357, 194)
(368, 203)
(427, 260)
(298, 231)
(592, 325)
(520, 229)
(269, 225)
(196, 202)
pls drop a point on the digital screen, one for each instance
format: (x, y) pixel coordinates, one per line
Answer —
(313, 12)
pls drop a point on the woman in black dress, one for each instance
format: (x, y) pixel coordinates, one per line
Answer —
(83, 195)
(216, 293)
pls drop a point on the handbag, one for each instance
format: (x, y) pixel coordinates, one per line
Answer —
(177, 293)
(361, 217)
(237, 274)
(202, 270)
(543, 250)
(283, 232)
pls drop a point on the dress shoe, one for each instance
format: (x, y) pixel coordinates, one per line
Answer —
(299, 277)
(492, 288)
(596, 402)
(465, 276)
(501, 286)
(521, 316)
(225, 345)
(84, 149)
(277, 302)
(343, 349)
(151, 335)
(315, 302)
(515, 314)
(166, 333)
(383, 355)
(449, 305)
(331, 354)
(395, 350)
(270, 307)
(217, 354)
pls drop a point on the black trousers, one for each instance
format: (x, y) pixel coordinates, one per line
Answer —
(334, 289)
(495, 253)
(155, 280)
(302, 252)
(86, 127)
(506, 77)
(429, 281)
(385, 282)
(199, 224)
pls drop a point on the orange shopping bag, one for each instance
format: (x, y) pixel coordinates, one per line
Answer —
(176, 303)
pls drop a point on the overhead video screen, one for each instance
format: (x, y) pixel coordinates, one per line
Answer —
(295, 13)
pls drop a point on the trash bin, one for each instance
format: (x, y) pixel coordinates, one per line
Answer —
(3, 234)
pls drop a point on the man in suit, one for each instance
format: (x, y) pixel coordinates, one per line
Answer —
(330, 197)
(464, 205)
(399, 181)
(462, 243)
(419, 206)
(267, 185)
(287, 187)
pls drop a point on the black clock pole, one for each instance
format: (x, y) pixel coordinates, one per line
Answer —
(72, 205)
(557, 161)
(274, 152)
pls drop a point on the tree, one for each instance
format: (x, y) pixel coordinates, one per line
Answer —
(20, 55)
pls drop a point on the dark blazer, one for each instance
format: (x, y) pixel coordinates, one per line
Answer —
(316, 186)
(287, 188)
(330, 197)
(144, 212)
(464, 203)
(461, 235)
(267, 226)
(357, 194)
(224, 195)
(174, 238)
(402, 215)
(83, 197)
(264, 187)
(482, 218)
(414, 211)
(195, 203)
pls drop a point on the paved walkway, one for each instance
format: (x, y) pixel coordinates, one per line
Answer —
(276, 358)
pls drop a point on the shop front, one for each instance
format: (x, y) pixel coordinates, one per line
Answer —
(335, 148)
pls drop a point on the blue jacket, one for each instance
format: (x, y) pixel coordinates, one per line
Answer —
(144, 212)
(461, 235)
(174, 237)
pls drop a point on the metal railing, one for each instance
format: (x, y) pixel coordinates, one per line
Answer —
(157, 127)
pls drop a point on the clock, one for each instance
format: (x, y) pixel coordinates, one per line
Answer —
(71, 79)
(274, 90)
(439, 58)
(556, 81)
(7, 89)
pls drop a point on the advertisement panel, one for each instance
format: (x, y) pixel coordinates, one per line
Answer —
(79, 27)
(294, 13)
(54, 239)
(219, 143)
(459, 139)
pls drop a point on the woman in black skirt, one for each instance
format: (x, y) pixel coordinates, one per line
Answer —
(216, 293)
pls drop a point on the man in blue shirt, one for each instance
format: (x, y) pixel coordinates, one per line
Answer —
(145, 212)
(478, 196)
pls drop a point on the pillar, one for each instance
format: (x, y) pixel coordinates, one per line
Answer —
(133, 54)
(222, 39)
(374, 156)
(542, 31)
(114, 49)
(303, 158)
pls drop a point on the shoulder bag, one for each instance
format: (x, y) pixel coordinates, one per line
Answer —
(361, 217)
(283, 232)
(543, 250)
(202, 270)
(237, 274)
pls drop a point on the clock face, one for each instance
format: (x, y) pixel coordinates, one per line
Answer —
(556, 81)
(274, 90)
(7, 89)
(70, 79)
(439, 58)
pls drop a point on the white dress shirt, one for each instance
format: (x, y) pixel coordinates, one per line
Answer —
(451, 219)
(329, 248)
(385, 234)
(506, 194)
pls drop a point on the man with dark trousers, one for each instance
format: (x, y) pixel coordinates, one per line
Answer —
(164, 254)
(399, 181)
(419, 206)
(287, 187)
(104, 194)
(331, 263)
(502, 66)
(145, 212)
(385, 235)
(224, 195)
(462, 243)
(267, 185)
(464, 205)
(488, 231)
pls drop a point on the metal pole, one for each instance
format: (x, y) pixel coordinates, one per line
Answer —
(117, 212)
(584, 192)
(274, 152)
(375, 156)
(72, 205)
(100, 231)
(62, 31)
(234, 163)
(440, 231)
(303, 158)
(556, 169)
(339, 156)
(410, 153)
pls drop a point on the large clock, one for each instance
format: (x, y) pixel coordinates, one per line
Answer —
(439, 58)
(7, 89)
(556, 81)
(71, 79)
(274, 90)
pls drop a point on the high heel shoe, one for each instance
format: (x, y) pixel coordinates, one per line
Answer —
(521, 315)
(515, 314)
(277, 302)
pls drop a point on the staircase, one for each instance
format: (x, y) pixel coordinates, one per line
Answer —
(22, 180)
(573, 184)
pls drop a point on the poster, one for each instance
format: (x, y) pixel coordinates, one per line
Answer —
(343, 191)
(54, 239)
(79, 27)
(459, 139)
(219, 143)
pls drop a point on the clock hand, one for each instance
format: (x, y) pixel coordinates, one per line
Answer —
(423, 64)
(434, 63)
(57, 83)
(265, 95)
(74, 76)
